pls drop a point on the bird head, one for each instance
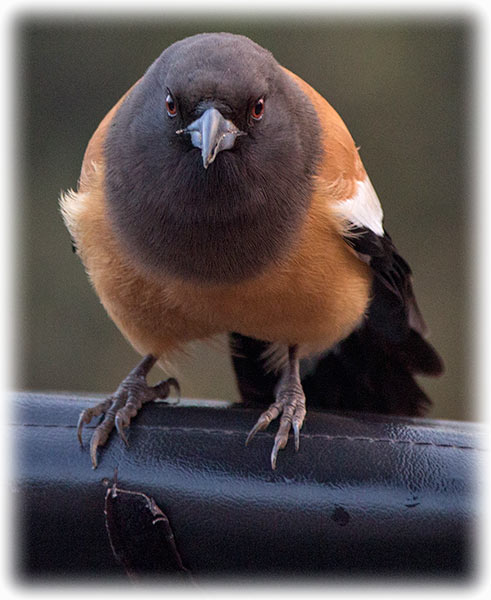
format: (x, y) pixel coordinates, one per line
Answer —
(211, 154)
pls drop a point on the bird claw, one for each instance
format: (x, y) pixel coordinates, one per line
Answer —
(261, 425)
(88, 414)
(280, 442)
(82, 420)
(120, 425)
(95, 441)
(120, 408)
(296, 432)
(290, 404)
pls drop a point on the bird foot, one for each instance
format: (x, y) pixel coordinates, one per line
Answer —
(290, 403)
(118, 409)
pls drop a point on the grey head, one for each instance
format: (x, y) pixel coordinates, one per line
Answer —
(209, 161)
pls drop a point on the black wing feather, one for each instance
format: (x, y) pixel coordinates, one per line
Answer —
(394, 309)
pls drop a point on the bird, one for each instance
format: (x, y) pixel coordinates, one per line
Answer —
(222, 194)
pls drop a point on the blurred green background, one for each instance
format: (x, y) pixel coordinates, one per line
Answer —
(404, 87)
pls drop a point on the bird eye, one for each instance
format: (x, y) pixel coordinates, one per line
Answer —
(170, 105)
(258, 109)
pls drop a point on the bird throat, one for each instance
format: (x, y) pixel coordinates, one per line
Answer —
(210, 233)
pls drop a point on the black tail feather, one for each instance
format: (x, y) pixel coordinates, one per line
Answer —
(367, 373)
(256, 384)
(364, 372)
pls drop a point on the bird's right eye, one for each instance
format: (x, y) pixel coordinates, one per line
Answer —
(170, 105)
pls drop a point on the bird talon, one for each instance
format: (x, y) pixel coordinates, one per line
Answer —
(251, 434)
(123, 405)
(80, 426)
(95, 442)
(296, 432)
(290, 404)
(279, 443)
(120, 424)
(260, 425)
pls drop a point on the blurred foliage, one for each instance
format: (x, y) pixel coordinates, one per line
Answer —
(403, 87)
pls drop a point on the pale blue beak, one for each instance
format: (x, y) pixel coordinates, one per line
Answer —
(212, 133)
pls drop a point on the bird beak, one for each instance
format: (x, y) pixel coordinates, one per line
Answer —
(212, 133)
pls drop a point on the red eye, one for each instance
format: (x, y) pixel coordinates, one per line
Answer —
(170, 105)
(258, 109)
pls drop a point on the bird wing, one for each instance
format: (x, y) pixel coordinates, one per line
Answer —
(374, 367)
(393, 313)
(393, 309)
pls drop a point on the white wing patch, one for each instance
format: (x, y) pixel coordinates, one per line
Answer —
(363, 209)
(73, 205)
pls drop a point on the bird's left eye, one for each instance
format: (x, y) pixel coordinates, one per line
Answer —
(258, 109)
(170, 105)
